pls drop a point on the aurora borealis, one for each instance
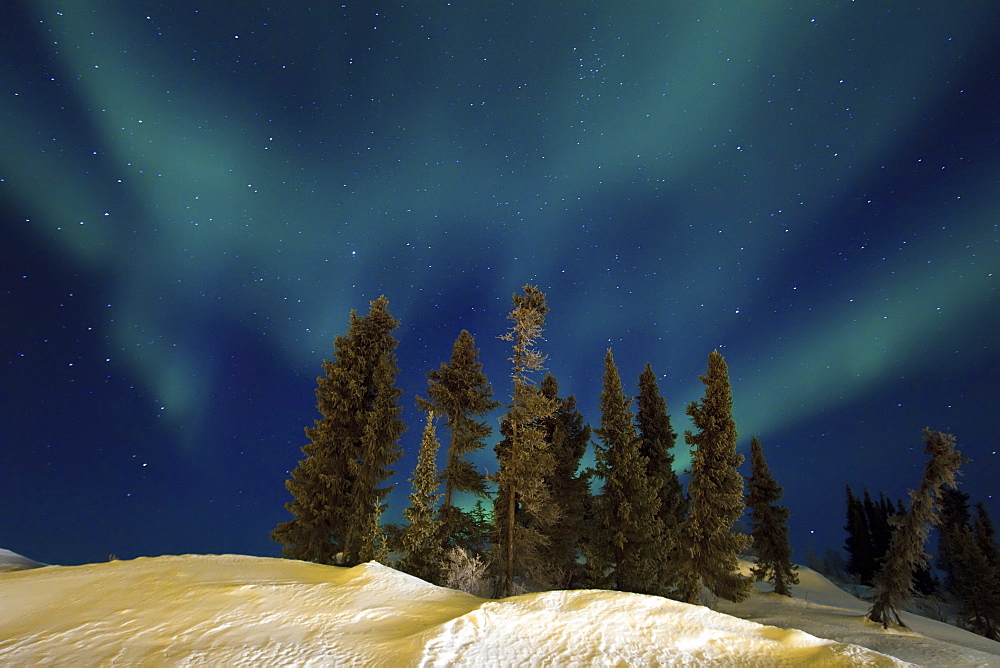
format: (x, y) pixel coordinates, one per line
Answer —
(194, 195)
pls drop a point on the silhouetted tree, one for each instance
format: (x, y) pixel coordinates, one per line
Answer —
(716, 492)
(338, 489)
(954, 513)
(894, 582)
(768, 526)
(627, 546)
(861, 561)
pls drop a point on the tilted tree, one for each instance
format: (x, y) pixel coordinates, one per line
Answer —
(523, 455)
(339, 488)
(716, 495)
(567, 435)
(768, 526)
(421, 538)
(460, 392)
(627, 547)
(657, 439)
(894, 582)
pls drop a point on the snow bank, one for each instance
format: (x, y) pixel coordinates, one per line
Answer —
(234, 610)
(11, 561)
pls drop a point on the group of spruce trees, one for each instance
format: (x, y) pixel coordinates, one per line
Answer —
(626, 524)
(968, 554)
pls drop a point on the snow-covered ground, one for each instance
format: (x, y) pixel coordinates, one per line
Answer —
(238, 610)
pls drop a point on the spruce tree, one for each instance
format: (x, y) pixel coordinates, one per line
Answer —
(768, 526)
(860, 558)
(421, 538)
(338, 489)
(627, 547)
(522, 507)
(460, 392)
(954, 513)
(657, 440)
(976, 582)
(716, 492)
(567, 435)
(894, 582)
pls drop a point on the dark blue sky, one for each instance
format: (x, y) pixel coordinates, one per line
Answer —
(194, 198)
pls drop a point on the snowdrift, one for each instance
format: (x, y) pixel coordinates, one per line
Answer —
(237, 610)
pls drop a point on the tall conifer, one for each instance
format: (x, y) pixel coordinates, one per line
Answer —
(627, 547)
(768, 526)
(716, 491)
(894, 582)
(460, 392)
(524, 456)
(422, 537)
(338, 489)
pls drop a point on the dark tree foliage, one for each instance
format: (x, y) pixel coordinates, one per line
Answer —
(460, 392)
(627, 547)
(976, 582)
(716, 493)
(861, 559)
(954, 513)
(768, 526)
(523, 511)
(338, 489)
(567, 435)
(656, 444)
(894, 582)
(421, 538)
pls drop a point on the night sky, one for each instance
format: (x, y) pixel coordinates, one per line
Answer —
(194, 196)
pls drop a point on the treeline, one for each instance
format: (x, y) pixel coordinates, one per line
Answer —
(967, 554)
(541, 522)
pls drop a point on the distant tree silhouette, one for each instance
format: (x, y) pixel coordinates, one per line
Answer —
(716, 491)
(768, 526)
(338, 489)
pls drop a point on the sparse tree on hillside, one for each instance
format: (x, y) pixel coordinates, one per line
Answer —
(338, 489)
(716, 491)
(523, 508)
(769, 526)
(460, 392)
(422, 538)
(627, 546)
(894, 583)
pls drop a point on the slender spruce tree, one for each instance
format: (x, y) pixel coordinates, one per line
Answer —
(894, 582)
(627, 548)
(567, 435)
(421, 538)
(522, 507)
(460, 392)
(657, 440)
(716, 491)
(768, 526)
(860, 557)
(339, 488)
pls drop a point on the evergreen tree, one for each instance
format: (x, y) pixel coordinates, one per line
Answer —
(627, 548)
(954, 513)
(522, 508)
(768, 526)
(567, 435)
(861, 562)
(338, 488)
(657, 439)
(422, 538)
(976, 582)
(460, 392)
(716, 491)
(894, 582)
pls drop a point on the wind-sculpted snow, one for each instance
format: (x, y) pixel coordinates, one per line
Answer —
(233, 610)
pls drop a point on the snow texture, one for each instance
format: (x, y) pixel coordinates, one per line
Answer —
(238, 610)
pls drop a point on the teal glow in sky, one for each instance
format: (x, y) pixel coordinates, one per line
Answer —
(194, 200)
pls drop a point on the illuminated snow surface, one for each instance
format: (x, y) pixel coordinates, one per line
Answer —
(238, 610)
